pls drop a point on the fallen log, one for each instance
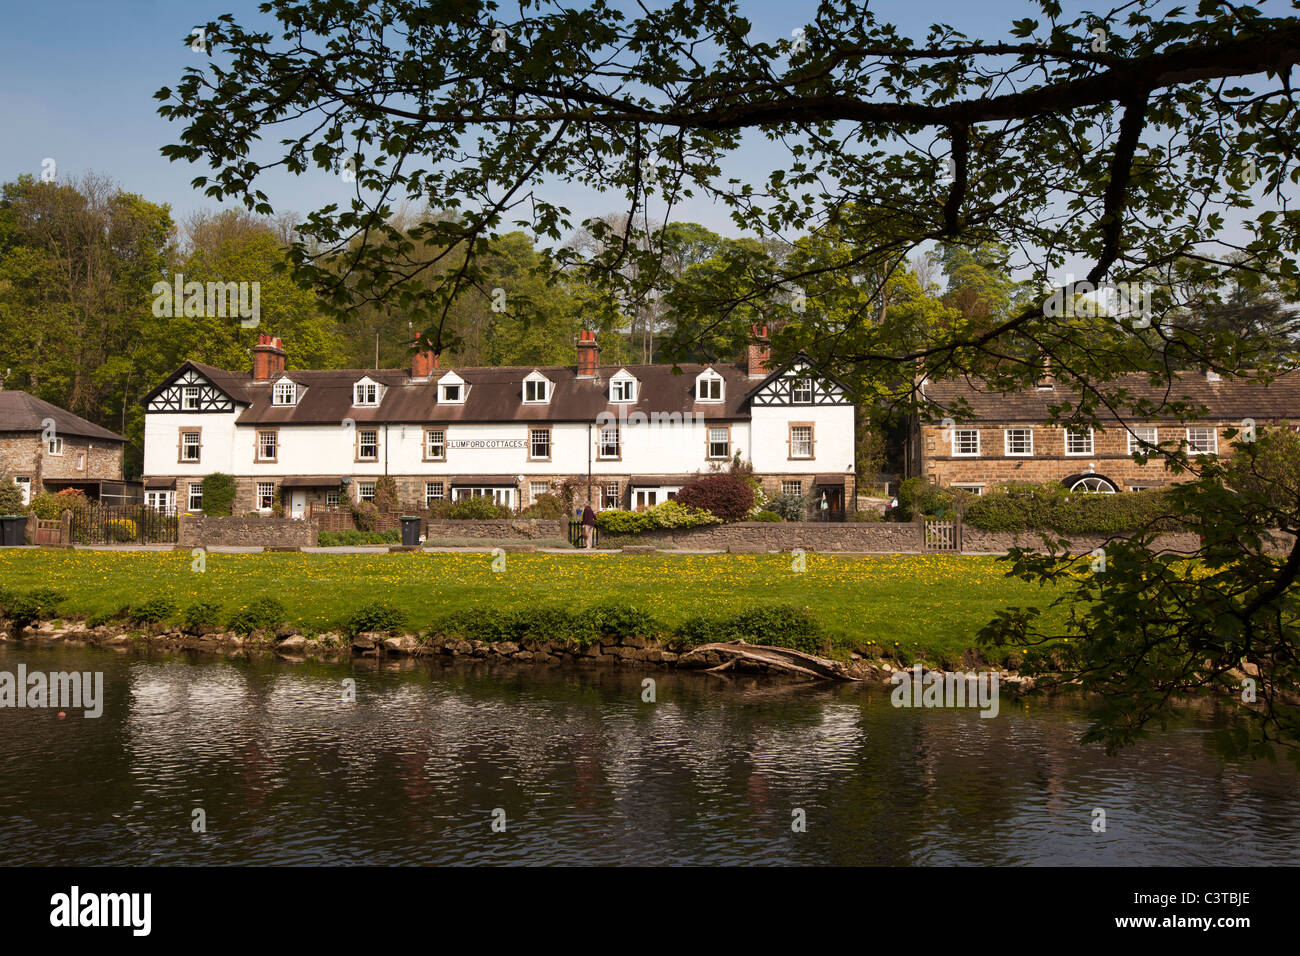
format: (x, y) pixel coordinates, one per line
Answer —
(781, 659)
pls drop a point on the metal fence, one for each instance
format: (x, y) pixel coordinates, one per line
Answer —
(129, 524)
(575, 534)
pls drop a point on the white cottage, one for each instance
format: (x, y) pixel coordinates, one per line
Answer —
(630, 436)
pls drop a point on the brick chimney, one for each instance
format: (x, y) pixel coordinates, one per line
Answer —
(423, 364)
(588, 354)
(1045, 378)
(268, 358)
(760, 351)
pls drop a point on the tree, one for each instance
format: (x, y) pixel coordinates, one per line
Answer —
(1122, 140)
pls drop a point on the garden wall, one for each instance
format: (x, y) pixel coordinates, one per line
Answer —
(202, 531)
(530, 528)
(975, 540)
(784, 535)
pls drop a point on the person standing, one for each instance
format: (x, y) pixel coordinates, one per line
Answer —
(588, 525)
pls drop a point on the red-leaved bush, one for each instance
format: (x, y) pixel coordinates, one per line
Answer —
(725, 496)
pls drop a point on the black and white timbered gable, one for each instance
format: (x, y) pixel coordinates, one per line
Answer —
(189, 391)
(799, 382)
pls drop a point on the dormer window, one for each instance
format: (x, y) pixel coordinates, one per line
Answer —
(451, 389)
(365, 393)
(708, 387)
(284, 393)
(537, 389)
(622, 388)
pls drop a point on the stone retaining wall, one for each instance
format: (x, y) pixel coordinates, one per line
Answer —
(784, 535)
(202, 531)
(529, 528)
(973, 539)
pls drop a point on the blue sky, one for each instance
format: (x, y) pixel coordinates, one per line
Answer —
(77, 79)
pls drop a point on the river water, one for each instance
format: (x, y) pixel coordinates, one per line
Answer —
(464, 763)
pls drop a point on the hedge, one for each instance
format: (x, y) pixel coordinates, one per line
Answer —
(1029, 507)
(667, 514)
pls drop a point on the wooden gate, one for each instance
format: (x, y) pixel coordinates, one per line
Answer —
(942, 534)
(49, 532)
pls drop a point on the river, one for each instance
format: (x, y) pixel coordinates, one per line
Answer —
(480, 763)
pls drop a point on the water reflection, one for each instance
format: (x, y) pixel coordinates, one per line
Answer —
(287, 772)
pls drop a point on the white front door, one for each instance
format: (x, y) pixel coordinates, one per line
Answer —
(298, 504)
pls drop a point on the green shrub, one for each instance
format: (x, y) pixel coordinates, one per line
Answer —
(788, 507)
(776, 625)
(6, 597)
(619, 620)
(25, 610)
(374, 616)
(386, 493)
(337, 539)
(545, 507)
(666, 514)
(1051, 507)
(766, 515)
(218, 494)
(152, 611)
(480, 508)
(365, 514)
(917, 497)
(617, 521)
(200, 615)
(11, 496)
(261, 614)
(121, 530)
(583, 626)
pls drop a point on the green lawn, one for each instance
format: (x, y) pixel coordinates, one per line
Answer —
(931, 602)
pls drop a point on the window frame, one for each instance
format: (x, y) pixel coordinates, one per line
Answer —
(975, 488)
(186, 391)
(1092, 443)
(627, 382)
(361, 496)
(357, 400)
(708, 442)
(257, 445)
(55, 443)
(796, 384)
(358, 459)
(1006, 442)
(786, 492)
(190, 507)
(281, 385)
(460, 393)
(611, 500)
(542, 383)
(550, 447)
(333, 505)
(1135, 441)
(24, 483)
(430, 497)
(180, 446)
(429, 430)
(955, 439)
(790, 441)
(1214, 439)
(258, 496)
(600, 443)
(712, 378)
(534, 494)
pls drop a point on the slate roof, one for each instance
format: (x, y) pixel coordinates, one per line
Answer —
(1226, 399)
(20, 412)
(495, 395)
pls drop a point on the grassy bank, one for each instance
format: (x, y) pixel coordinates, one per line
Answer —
(930, 603)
